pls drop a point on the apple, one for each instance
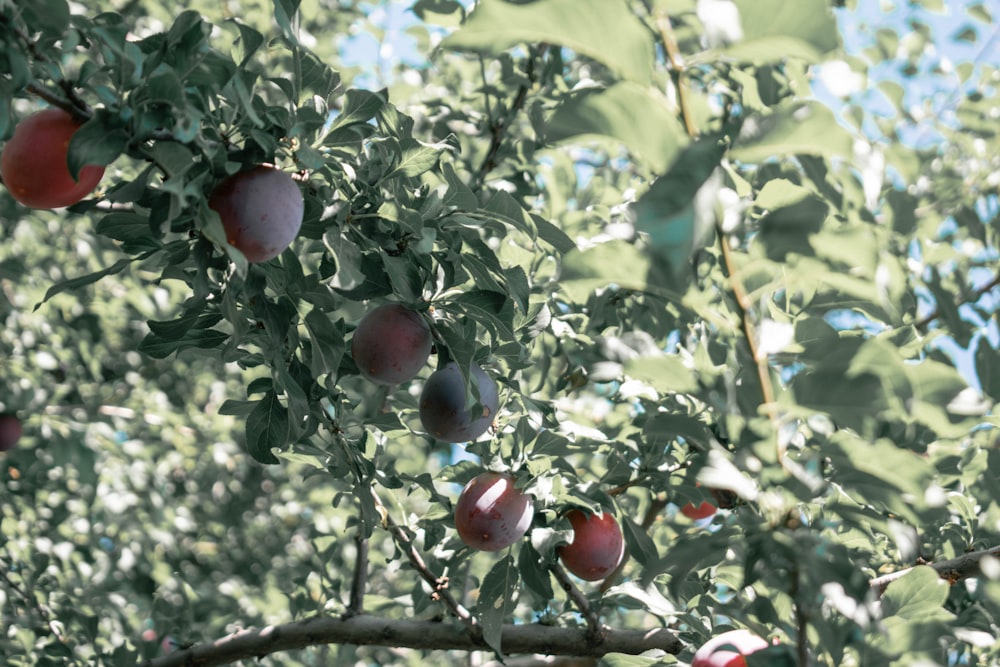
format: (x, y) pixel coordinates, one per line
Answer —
(491, 513)
(10, 432)
(391, 344)
(33, 162)
(261, 211)
(718, 651)
(597, 548)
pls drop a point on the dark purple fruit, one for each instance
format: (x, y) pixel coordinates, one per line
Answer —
(491, 513)
(391, 344)
(443, 410)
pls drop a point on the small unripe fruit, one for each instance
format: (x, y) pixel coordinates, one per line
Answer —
(261, 211)
(33, 163)
(718, 651)
(391, 344)
(491, 513)
(597, 548)
(443, 411)
(10, 432)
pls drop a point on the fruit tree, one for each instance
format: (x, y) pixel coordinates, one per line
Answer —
(481, 332)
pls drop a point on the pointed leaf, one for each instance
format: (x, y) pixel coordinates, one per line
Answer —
(497, 598)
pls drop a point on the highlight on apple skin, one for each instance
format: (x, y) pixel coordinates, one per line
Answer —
(443, 410)
(34, 165)
(391, 344)
(718, 651)
(10, 432)
(597, 548)
(261, 211)
(491, 513)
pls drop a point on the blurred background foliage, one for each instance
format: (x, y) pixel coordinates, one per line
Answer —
(856, 183)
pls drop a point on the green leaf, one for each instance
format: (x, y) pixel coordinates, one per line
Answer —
(617, 264)
(774, 30)
(328, 344)
(99, 141)
(83, 281)
(665, 374)
(605, 30)
(640, 545)
(267, 428)
(678, 212)
(534, 574)
(919, 596)
(47, 16)
(801, 128)
(284, 15)
(497, 599)
(635, 115)
(417, 158)
(131, 229)
(360, 106)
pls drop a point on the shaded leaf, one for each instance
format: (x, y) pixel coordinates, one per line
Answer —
(605, 30)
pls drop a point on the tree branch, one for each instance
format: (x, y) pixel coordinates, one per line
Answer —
(952, 570)
(677, 67)
(356, 605)
(367, 630)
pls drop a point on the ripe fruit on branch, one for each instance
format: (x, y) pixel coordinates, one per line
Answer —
(697, 512)
(718, 651)
(391, 344)
(597, 547)
(261, 211)
(33, 163)
(443, 409)
(10, 432)
(491, 513)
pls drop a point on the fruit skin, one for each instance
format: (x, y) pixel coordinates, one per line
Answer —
(33, 163)
(10, 432)
(711, 653)
(261, 211)
(597, 547)
(443, 412)
(491, 513)
(391, 344)
(702, 511)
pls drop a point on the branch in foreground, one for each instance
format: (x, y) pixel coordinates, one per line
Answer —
(953, 570)
(428, 635)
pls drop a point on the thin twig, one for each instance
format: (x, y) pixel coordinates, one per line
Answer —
(677, 67)
(498, 127)
(594, 628)
(953, 570)
(438, 584)
(977, 294)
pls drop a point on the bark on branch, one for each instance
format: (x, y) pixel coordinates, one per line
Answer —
(953, 570)
(429, 635)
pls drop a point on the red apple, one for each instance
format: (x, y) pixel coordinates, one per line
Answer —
(597, 547)
(10, 432)
(491, 513)
(33, 163)
(718, 651)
